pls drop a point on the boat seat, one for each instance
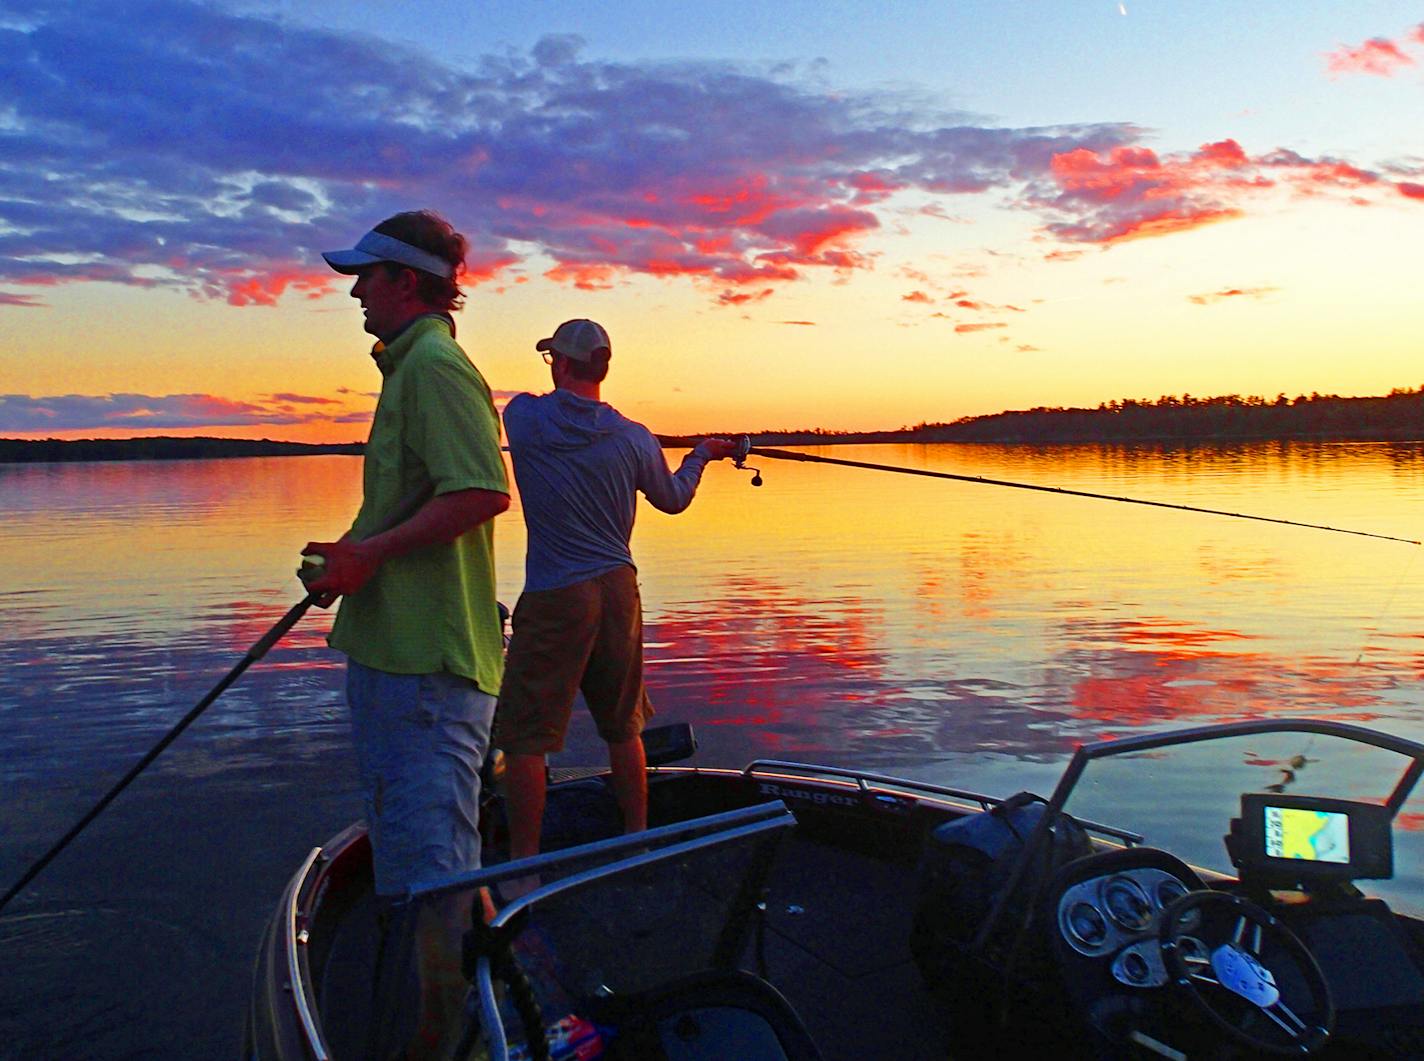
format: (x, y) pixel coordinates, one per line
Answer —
(706, 1017)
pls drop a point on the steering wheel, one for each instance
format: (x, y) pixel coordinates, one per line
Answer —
(1247, 972)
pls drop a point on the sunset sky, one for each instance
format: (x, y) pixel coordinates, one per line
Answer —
(787, 214)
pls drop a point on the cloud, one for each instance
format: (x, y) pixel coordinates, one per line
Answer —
(302, 399)
(741, 298)
(1132, 192)
(964, 328)
(174, 144)
(165, 143)
(917, 296)
(803, 324)
(1378, 56)
(1230, 292)
(1411, 190)
(77, 412)
(10, 298)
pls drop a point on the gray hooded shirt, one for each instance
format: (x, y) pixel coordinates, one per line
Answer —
(579, 465)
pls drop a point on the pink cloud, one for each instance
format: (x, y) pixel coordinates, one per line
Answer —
(1131, 193)
(962, 328)
(10, 298)
(872, 187)
(251, 288)
(1378, 56)
(484, 266)
(1230, 292)
(741, 298)
(917, 296)
(1411, 190)
(586, 276)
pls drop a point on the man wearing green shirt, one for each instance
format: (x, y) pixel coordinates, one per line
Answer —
(418, 620)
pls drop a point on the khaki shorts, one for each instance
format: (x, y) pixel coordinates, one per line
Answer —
(586, 636)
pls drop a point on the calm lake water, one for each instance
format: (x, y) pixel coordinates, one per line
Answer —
(957, 633)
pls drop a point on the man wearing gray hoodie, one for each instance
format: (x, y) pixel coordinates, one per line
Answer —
(579, 465)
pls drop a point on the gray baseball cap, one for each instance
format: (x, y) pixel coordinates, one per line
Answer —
(577, 339)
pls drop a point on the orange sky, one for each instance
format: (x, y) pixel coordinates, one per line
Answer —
(823, 240)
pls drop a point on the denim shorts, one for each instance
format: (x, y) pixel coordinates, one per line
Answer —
(420, 742)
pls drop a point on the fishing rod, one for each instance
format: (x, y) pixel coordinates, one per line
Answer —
(403, 511)
(746, 449)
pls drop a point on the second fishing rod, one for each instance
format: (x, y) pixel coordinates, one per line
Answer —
(746, 449)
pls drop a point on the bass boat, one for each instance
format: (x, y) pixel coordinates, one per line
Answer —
(1200, 893)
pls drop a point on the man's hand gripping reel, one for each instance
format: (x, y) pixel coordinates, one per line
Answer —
(739, 459)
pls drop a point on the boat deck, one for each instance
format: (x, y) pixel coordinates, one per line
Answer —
(858, 992)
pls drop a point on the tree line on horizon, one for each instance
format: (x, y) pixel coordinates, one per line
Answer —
(1185, 420)
(1170, 418)
(159, 447)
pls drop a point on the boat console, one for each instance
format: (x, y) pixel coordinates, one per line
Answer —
(1289, 958)
(1132, 951)
(1299, 856)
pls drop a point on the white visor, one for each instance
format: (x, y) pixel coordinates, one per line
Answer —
(376, 247)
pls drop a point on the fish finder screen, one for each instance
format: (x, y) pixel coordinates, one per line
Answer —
(1313, 835)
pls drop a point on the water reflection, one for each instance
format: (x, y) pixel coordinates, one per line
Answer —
(948, 631)
(834, 613)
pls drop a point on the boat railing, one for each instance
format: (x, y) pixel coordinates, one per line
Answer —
(870, 785)
(571, 870)
(616, 853)
(298, 973)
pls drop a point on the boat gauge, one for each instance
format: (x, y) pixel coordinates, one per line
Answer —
(1169, 889)
(1193, 950)
(1087, 925)
(1135, 968)
(1127, 903)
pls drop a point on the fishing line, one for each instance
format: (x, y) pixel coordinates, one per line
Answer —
(747, 449)
(1388, 604)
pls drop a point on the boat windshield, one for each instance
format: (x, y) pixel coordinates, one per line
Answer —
(1180, 792)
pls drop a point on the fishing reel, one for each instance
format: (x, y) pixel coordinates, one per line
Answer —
(739, 459)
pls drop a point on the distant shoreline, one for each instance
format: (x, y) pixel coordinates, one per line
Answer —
(1186, 421)
(159, 447)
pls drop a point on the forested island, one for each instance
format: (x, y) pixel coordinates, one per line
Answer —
(1185, 420)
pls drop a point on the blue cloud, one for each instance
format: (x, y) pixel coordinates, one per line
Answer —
(21, 413)
(177, 144)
